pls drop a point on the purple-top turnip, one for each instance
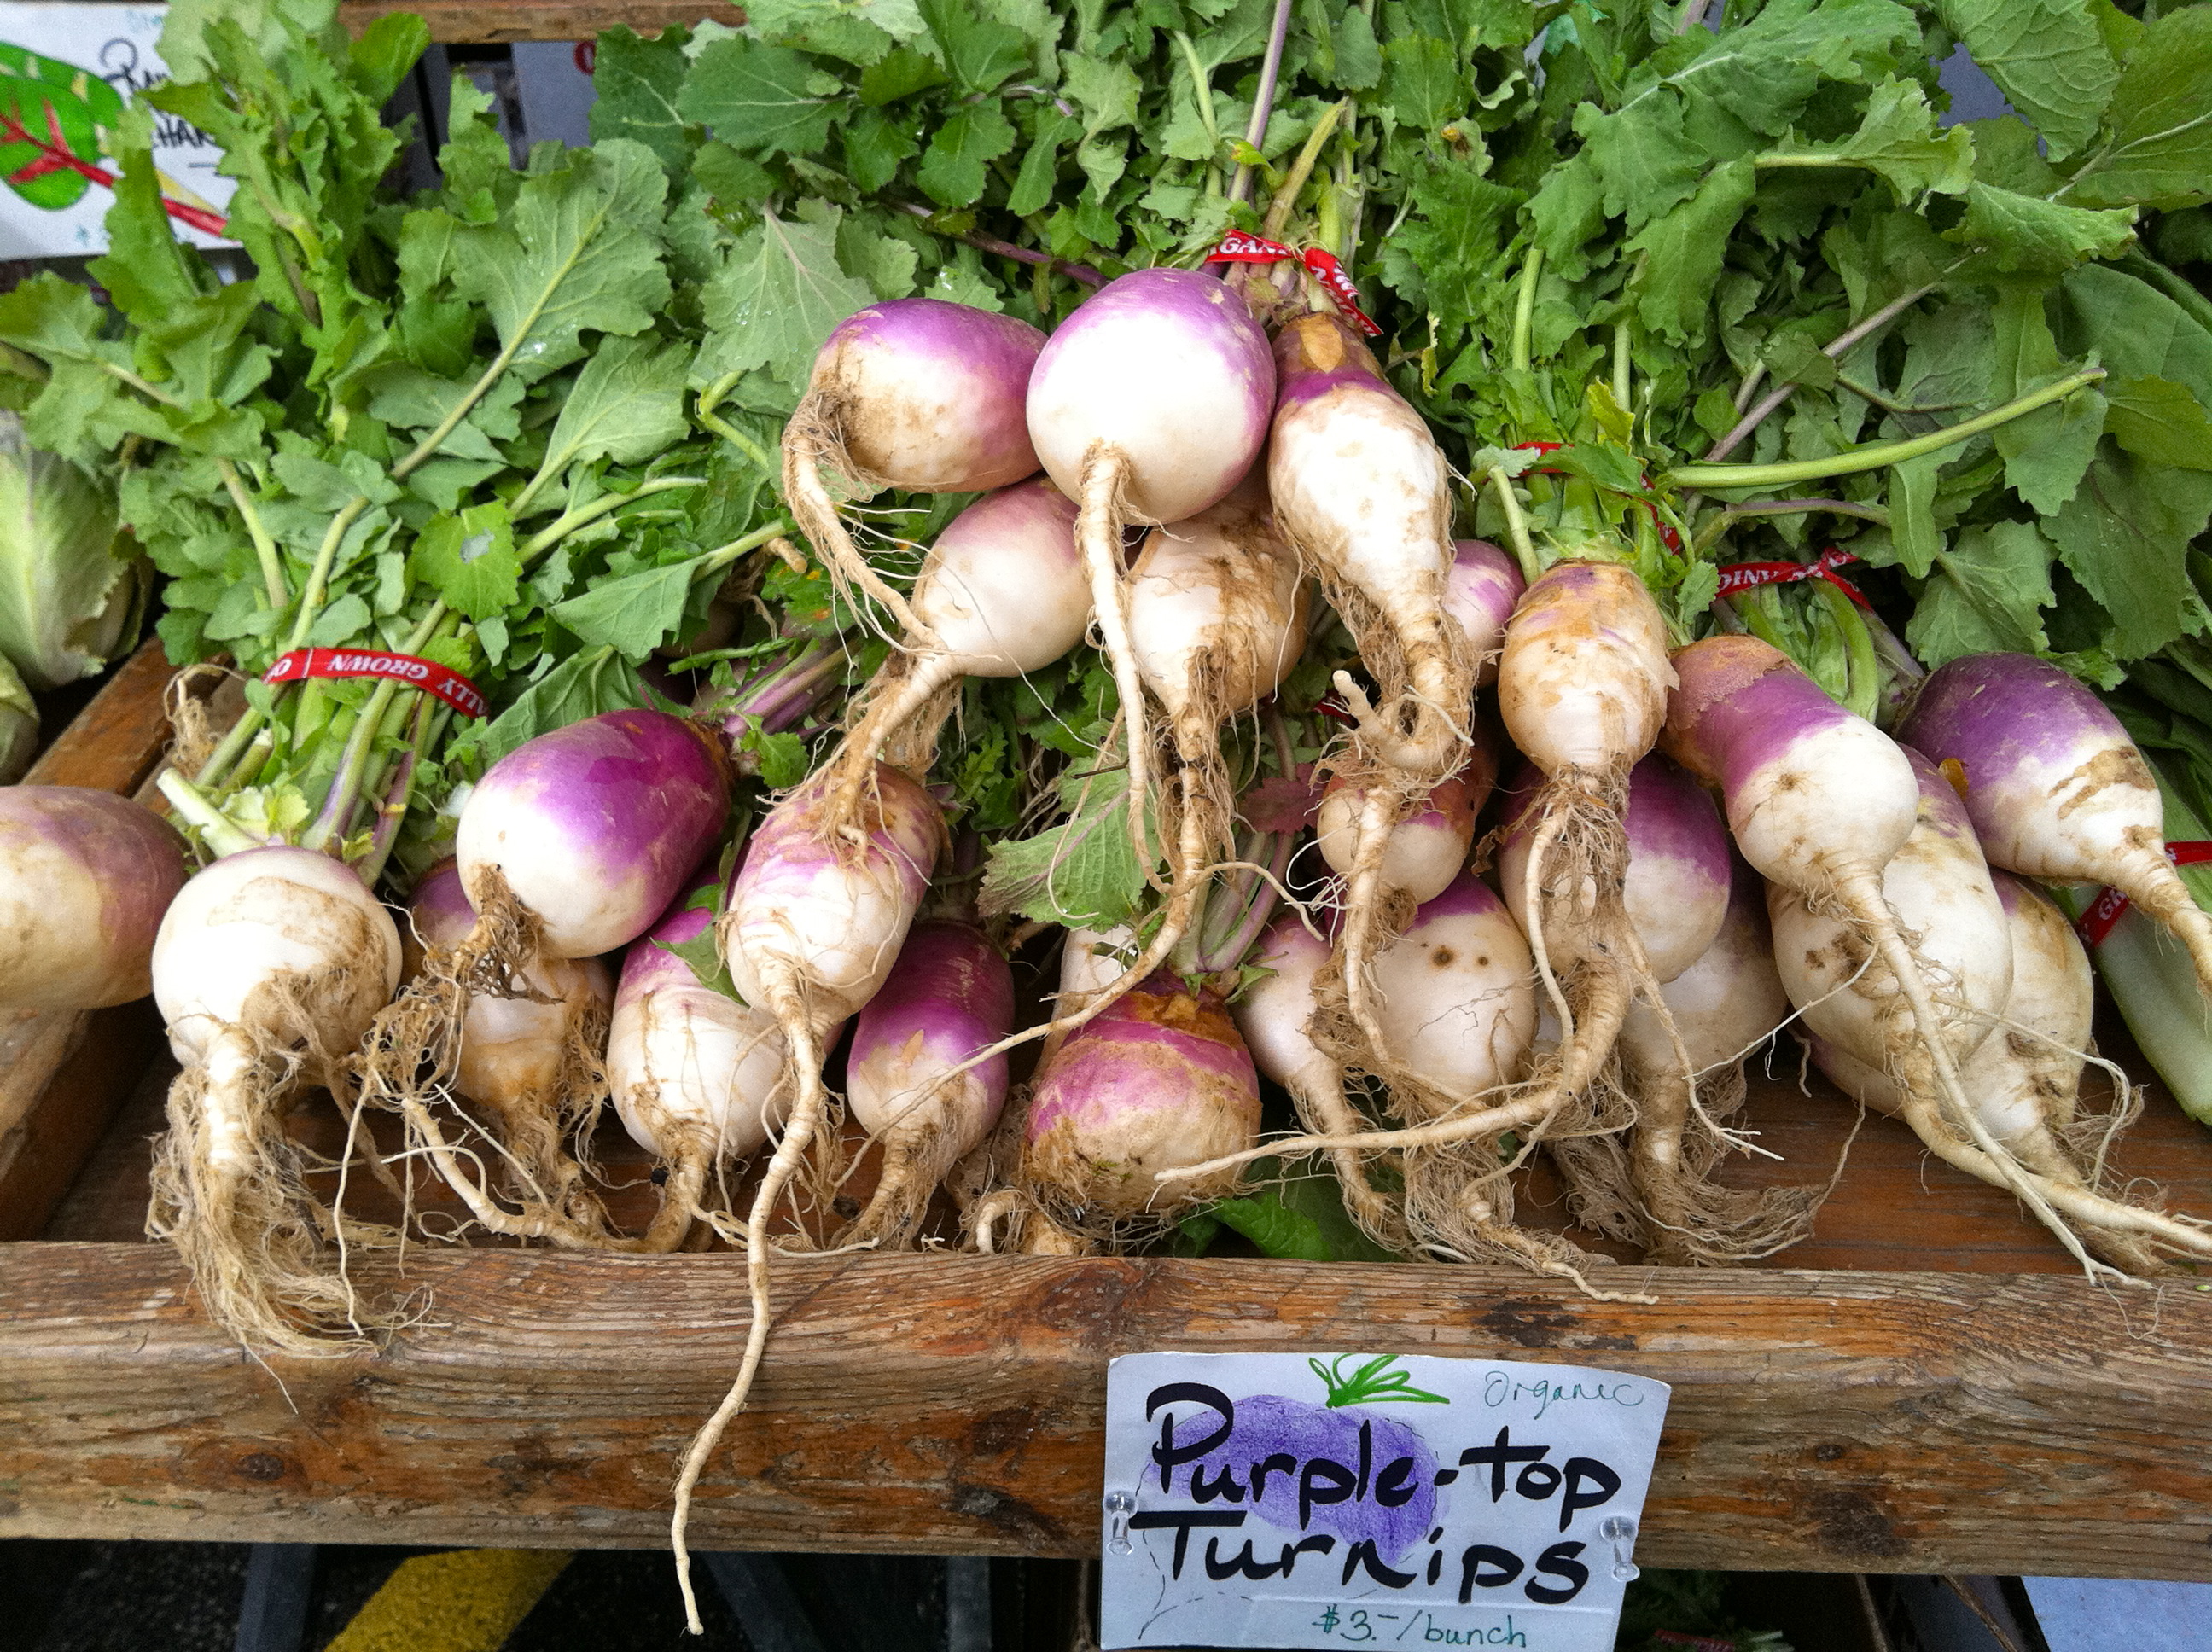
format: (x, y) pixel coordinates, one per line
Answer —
(85, 876)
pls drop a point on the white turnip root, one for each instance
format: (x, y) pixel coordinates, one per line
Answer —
(811, 928)
(917, 394)
(1363, 492)
(696, 1076)
(2054, 785)
(1426, 846)
(1938, 886)
(571, 846)
(1149, 405)
(85, 876)
(1687, 1078)
(1820, 801)
(529, 1060)
(268, 968)
(950, 996)
(1002, 594)
(2025, 1078)
(1275, 1016)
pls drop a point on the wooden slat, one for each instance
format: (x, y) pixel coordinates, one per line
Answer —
(491, 22)
(1821, 1421)
(63, 1073)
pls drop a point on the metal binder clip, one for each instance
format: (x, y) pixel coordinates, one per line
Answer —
(1120, 1505)
(1620, 1531)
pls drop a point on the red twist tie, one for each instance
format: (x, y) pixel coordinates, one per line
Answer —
(440, 682)
(2104, 911)
(1327, 272)
(1746, 576)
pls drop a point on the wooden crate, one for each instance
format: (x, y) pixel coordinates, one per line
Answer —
(1924, 1388)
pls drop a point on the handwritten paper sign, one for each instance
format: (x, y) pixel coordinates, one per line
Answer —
(66, 72)
(1281, 1500)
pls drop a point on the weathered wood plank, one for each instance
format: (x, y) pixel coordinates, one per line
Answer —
(492, 22)
(1821, 1421)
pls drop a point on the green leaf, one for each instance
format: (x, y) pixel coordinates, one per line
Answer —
(2125, 536)
(1566, 212)
(1276, 1230)
(1422, 82)
(470, 560)
(953, 171)
(2159, 150)
(900, 75)
(1899, 141)
(1683, 252)
(1986, 596)
(2046, 57)
(1764, 72)
(980, 54)
(1446, 251)
(885, 261)
(1913, 538)
(777, 298)
(2019, 232)
(1641, 157)
(2160, 420)
(635, 83)
(585, 684)
(633, 615)
(1084, 870)
(580, 251)
(2045, 452)
(1106, 92)
(626, 404)
(1033, 184)
(1359, 58)
(874, 146)
(758, 98)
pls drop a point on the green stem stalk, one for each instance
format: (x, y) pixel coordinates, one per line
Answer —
(1517, 525)
(220, 832)
(1203, 95)
(1721, 520)
(272, 561)
(1865, 695)
(1279, 209)
(1877, 456)
(1524, 308)
(545, 538)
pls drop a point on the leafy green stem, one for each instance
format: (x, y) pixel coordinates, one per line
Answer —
(1721, 520)
(319, 576)
(1202, 94)
(1841, 346)
(1517, 525)
(1279, 209)
(220, 832)
(1865, 694)
(563, 525)
(1524, 308)
(1877, 456)
(272, 561)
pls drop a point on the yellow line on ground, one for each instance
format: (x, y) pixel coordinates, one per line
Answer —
(466, 1600)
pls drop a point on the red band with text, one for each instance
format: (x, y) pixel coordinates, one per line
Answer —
(1238, 247)
(2104, 911)
(1744, 576)
(441, 682)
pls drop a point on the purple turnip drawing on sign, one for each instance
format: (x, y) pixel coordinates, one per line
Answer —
(1305, 1468)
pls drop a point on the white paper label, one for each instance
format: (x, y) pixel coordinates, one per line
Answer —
(1281, 1500)
(65, 74)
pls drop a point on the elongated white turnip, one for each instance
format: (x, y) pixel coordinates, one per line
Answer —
(2025, 1078)
(1362, 489)
(950, 996)
(917, 394)
(1003, 594)
(529, 1061)
(85, 876)
(571, 846)
(1820, 801)
(811, 929)
(1148, 405)
(2055, 788)
(1276, 1017)
(697, 1078)
(269, 966)
(1688, 1078)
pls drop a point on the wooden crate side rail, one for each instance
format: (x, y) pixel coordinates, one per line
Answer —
(1819, 1421)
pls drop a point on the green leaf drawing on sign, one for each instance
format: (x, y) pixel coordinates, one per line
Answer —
(54, 119)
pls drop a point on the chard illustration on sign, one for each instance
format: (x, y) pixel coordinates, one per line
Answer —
(66, 76)
(1271, 1500)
